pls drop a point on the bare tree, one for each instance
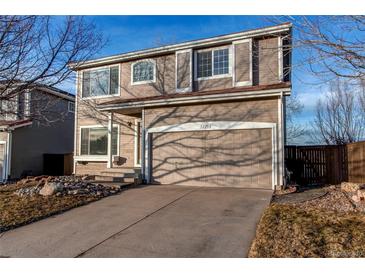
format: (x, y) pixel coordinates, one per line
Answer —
(35, 51)
(294, 108)
(330, 46)
(339, 117)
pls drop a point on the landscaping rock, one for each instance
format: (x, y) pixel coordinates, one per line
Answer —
(351, 187)
(64, 185)
(355, 198)
(88, 178)
(361, 194)
(51, 189)
(27, 191)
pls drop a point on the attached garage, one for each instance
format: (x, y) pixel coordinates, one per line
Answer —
(227, 154)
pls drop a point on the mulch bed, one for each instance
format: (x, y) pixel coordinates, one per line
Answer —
(321, 222)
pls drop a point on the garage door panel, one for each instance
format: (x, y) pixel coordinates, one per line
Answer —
(235, 158)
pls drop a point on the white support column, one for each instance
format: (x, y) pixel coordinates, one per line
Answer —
(110, 130)
(143, 147)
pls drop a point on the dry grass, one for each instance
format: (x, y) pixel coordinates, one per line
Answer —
(290, 231)
(16, 211)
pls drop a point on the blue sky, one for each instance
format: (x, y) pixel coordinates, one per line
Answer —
(129, 33)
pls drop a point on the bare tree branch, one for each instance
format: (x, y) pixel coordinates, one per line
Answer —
(35, 50)
(340, 118)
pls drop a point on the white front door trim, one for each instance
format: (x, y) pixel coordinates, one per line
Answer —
(210, 125)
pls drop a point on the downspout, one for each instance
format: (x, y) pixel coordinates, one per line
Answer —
(8, 155)
(75, 124)
(282, 139)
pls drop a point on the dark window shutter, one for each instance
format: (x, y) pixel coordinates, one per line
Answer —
(86, 84)
(115, 141)
(114, 79)
(84, 141)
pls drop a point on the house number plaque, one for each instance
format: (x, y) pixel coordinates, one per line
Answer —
(205, 126)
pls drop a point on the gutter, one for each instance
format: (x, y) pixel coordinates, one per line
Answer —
(181, 46)
(7, 127)
(195, 99)
(8, 155)
(59, 94)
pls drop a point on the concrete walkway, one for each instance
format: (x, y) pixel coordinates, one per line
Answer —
(150, 221)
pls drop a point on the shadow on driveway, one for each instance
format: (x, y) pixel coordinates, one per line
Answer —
(150, 221)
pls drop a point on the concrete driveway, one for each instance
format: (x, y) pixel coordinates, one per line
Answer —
(149, 221)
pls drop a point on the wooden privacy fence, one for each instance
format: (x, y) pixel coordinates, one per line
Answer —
(356, 162)
(316, 164)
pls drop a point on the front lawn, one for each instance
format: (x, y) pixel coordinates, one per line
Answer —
(310, 229)
(17, 210)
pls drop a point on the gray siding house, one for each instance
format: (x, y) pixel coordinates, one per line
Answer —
(33, 124)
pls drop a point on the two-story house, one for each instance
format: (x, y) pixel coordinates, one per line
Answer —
(34, 124)
(207, 112)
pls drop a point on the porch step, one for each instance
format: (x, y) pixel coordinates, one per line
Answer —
(119, 174)
(113, 184)
(115, 179)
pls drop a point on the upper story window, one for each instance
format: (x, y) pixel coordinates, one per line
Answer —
(213, 63)
(143, 72)
(100, 82)
(71, 107)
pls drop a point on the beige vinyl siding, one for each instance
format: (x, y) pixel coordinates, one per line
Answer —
(242, 56)
(164, 84)
(265, 110)
(267, 61)
(183, 66)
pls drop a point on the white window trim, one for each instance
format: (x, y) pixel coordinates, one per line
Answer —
(148, 81)
(280, 59)
(103, 157)
(190, 87)
(100, 96)
(69, 103)
(214, 125)
(136, 142)
(230, 62)
(243, 83)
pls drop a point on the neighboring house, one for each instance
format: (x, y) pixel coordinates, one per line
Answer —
(208, 112)
(35, 124)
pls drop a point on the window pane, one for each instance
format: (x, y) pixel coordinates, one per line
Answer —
(86, 84)
(98, 141)
(114, 79)
(221, 61)
(115, 141)
(143, 71)
(94, 141)
(99, 82)
(204, 64)
(84, 141)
